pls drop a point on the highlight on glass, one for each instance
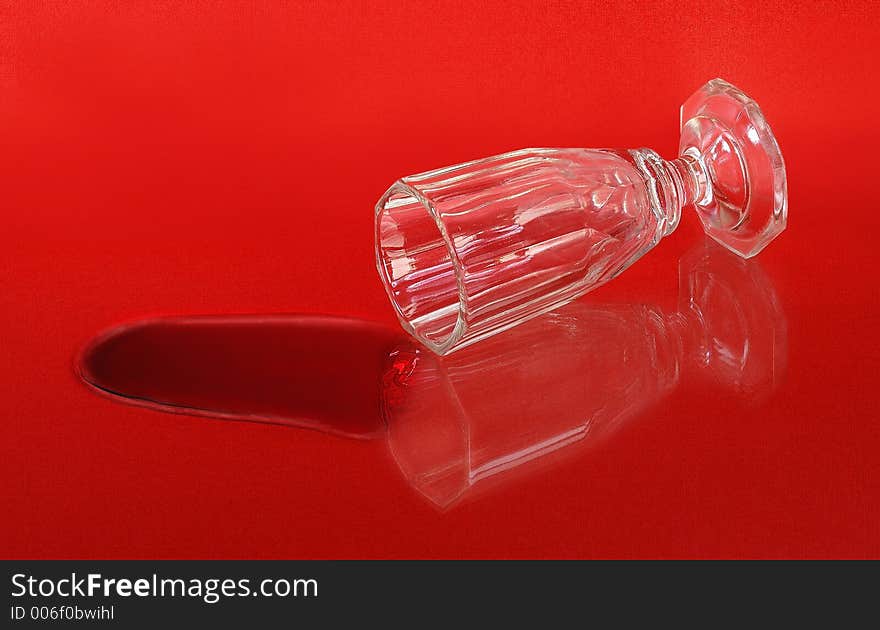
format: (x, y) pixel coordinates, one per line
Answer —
(471, 250)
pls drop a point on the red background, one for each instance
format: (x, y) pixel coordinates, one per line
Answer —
(215, 158)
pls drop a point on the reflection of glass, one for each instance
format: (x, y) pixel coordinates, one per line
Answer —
(471, 250)
(457, 420)
(454, 422)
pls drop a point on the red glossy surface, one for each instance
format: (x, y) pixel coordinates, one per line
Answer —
(180, 160)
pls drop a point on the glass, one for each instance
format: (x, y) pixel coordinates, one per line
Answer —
(471, 250)
(569, 379)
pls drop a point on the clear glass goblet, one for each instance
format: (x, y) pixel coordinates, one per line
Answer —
(471, 250)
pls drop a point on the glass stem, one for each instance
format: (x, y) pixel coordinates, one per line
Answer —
(686, 183)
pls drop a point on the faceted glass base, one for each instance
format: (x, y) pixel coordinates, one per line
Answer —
(746, 202)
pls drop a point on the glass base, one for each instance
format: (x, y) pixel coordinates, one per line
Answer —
(745, 205)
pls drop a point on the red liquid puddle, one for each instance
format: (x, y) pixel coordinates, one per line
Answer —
(315, 372)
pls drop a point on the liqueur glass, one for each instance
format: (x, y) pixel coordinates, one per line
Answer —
(471, 250)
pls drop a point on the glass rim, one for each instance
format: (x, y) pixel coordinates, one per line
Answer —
(458, 331)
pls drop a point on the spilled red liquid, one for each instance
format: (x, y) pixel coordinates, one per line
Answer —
(308, 371)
